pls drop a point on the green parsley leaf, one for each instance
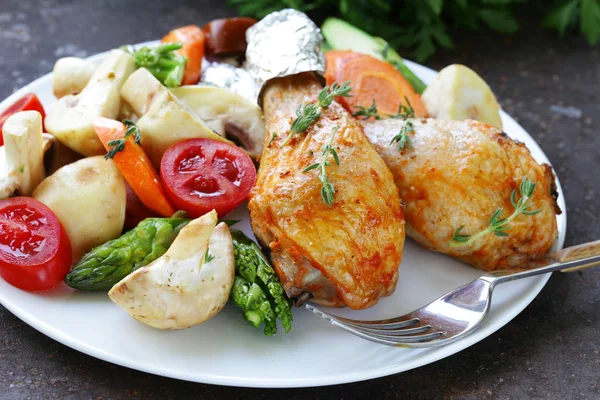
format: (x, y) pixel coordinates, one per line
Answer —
(590, 20)
(436, 6)
(499, 19)
(562, 17)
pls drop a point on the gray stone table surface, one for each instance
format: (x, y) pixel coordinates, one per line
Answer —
(551, 350)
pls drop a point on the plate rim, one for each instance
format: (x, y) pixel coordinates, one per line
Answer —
(441, 353)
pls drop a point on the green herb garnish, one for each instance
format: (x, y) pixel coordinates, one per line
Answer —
(119, 144)
(497, 225)
(208, 257)
(404, 112)
(327, 190)
(328, 94)
(308, 114)
(367, 113)
(402, 138)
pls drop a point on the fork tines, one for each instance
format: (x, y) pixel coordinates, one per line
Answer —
(405, 331)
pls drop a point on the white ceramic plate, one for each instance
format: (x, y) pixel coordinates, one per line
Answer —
(226, 351)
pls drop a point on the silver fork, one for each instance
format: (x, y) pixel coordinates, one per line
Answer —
(459, 312)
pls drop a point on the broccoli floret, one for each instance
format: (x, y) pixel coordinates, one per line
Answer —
(254, 273)
(162, 61)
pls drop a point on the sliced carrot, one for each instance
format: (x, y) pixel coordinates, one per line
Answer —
(371, 80)
(135, 166)
(192, 39)
(332, 57)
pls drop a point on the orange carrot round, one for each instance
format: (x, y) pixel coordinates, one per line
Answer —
(371, 80)
(135, 166)
(191, 38)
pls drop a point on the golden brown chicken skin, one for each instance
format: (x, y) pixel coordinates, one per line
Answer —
(457, 173)
(344, 254)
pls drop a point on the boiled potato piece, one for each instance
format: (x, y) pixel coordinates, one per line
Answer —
(23, 154)
(164, 120)
(458, 93)
(227, 113)
(88, 197)
(184, 287)
(71, 75)
(70, 119)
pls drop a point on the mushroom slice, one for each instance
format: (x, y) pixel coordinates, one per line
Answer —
(71, 75)
(227, 113)
(164, 120)
(185, 286)
(70, 119)
(458, 93)
(22, 156)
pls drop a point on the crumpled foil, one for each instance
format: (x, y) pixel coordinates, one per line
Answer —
(283, 43)
(230, 77)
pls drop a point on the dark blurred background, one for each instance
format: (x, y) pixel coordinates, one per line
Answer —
(550, 86)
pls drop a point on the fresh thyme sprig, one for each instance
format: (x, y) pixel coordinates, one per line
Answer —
(308, 114)
(118, 145)
(402, 138)
(497, 225)
(328, 94)
(327, 190)
(208, 257)
(367, 113)
(404, 112)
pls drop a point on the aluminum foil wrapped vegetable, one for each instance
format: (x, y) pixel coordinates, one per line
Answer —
(230, 77)
(283, 43)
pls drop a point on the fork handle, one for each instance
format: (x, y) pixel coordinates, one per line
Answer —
(571, 259)
(574, 253)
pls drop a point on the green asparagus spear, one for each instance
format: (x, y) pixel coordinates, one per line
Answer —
(107, 264)
(251, 298)
(253, 273)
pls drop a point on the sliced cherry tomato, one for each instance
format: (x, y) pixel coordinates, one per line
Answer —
(29, 102)
(201, 175)
(227, 36)
(35, 251)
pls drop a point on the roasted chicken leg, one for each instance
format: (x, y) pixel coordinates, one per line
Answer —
(459, 173)
(344, 254)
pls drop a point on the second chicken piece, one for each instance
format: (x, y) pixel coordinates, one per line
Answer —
(461, 178)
